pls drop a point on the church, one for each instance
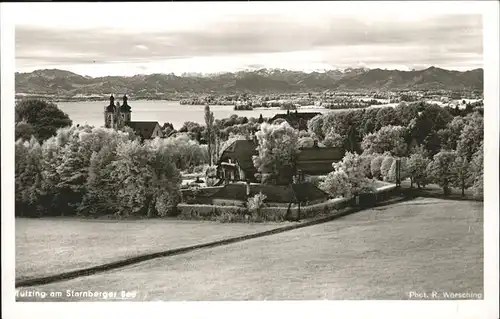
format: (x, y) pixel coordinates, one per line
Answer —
(118, 116)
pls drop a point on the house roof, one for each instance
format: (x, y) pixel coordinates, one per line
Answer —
(318, 160)
(312, 160)
(320, 154)
(143, 129)
(242, 152)
(294, 116)
(294, 193)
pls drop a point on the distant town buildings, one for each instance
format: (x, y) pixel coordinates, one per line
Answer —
(295, 119)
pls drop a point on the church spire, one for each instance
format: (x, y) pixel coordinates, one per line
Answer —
(125, 107)
(111, 107)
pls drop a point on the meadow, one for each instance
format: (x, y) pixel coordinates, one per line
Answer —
(49, 246)
(422, 245)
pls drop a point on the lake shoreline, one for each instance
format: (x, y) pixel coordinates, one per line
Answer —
(92, 113)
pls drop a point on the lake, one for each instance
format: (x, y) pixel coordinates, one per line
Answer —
(92, 112)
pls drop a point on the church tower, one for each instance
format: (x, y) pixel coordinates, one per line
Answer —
(109, 113)
(124, 113)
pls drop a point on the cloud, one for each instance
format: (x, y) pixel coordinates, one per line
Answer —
(443, 39)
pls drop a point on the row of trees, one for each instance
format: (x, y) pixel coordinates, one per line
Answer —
(95, 171)
(355, 173)
(422, 121)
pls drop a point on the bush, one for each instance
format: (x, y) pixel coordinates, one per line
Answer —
(256, 203)
(348, 177)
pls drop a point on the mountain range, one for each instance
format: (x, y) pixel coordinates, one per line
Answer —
(64, 83)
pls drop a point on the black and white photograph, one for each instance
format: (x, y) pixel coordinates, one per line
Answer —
(250, 151)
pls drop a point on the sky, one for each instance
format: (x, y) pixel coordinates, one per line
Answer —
(98, 39)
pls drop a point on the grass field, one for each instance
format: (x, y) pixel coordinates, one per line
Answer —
(50, 246)
(422, 245)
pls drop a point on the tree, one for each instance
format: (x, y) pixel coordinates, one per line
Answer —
(306, 142)
(24, 131)
(348, 177)
(167, 128)
(366, 160)
(333, 139)
(387, 139)
(130, 174)
(386, 166)
(277, 151)
(471, 137)
(432, 119)
(417, 167)
(209, 123)
(185, 153)
(369, 126)
(476, 171)
(28, 177)
(405, 113)
(44, 117)
(315, 125)
(392, 173)
(369, 120)
(100, 198)
(441, 169)
(164, 187)
(385, 116)
(337, 184)
(51, 160)
(450, 135)
(72, 175)
(403, 170)
(461, 174)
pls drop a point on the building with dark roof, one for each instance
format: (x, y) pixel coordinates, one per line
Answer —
(295, 119)
(236, 164)
(318, 160)
(118, 116)
(146, 130)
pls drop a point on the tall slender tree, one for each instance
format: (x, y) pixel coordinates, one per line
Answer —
(209, 123)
